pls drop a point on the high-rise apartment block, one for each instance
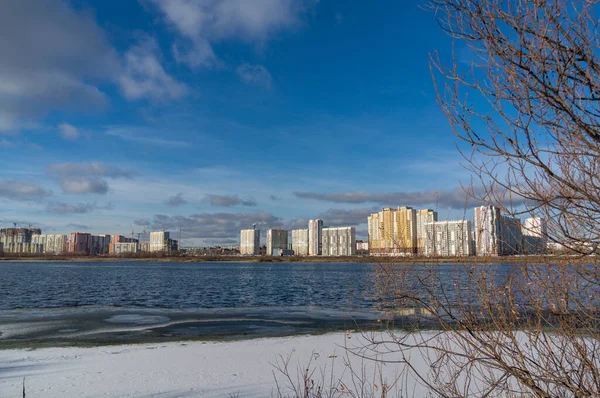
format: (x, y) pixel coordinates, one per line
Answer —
(496, 234)
(424, 217)
(18, 240)
(535, 235)
(277, 240)
(49, 244)
(339, 241)
(448, 238)
(80, 242)
(159, 241)
(250, 242)
(300, 242)
(315, 237)
(511, 237)
(393, 231)
(487, 230)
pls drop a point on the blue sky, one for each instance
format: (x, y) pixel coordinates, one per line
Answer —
(210, 115)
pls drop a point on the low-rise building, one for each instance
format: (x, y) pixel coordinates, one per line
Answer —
(340, 241)
(125, 247)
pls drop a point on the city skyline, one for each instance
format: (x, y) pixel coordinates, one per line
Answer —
(129, 116)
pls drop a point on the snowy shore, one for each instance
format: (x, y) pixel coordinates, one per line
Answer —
(185, 369)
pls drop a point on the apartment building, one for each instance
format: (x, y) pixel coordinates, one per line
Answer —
(340, 241)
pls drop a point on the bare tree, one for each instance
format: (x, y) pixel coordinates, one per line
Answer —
(527, 101)
(523, 97)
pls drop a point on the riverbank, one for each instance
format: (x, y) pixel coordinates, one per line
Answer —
(190, 369)
(304, 259)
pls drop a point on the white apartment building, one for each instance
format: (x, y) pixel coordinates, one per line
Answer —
(535, 235)
(300, 242)
(277, 239)
(315, 237)
(49, 244)
(159, 241)
(511, 237)
(250, 242)
(448, 238)
(424, 217)
(487, 230)
(339, 241)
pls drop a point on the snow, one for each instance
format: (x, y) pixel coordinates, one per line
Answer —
(186, 369)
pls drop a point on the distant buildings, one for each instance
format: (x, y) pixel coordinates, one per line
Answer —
(277, 240)
(393, 232)
(362, 247)
(535, 236)
(124, 247)
(487, 231)
(496, 234)
(18, 240)
(80, 242)
(49, 244)
(315, 237)
(340, 241)
(423, 218)
(249, 242)
(159, 241)
(300, 242)
(448, 238)
(101, 245)
(511, 237)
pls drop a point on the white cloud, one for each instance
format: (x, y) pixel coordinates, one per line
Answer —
(68, 132)
(144, 77)
(22, 190)
(201, 22)
(52, 58)
(255, 74)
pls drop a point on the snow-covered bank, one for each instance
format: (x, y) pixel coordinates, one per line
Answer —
(212, 369)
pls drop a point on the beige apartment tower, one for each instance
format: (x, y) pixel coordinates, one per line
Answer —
(393, 232)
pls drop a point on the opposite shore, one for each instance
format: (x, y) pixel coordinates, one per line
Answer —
(301, 259)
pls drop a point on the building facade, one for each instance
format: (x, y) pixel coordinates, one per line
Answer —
(511, 237)
(80, 242)
(159, 241)
(535, 236)
(49, 244)
(448, 238)
(300, 242)
(18, 240)
(423, 218)
(100, 245)
(250, 242)
(393, 232)
(339, 241)
(277, 239)
(315, 237)
(487, 231)
(125, 247)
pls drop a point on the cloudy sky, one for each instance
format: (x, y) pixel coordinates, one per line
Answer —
(212, 115)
